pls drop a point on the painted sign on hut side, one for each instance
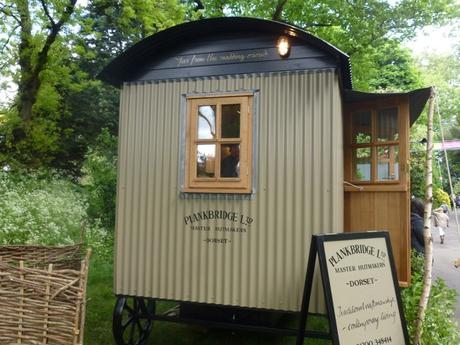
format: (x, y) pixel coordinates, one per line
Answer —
(236, 138)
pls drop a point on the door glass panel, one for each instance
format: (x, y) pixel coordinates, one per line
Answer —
(387, 124)
(206, 122)
(362, 166)
(362, 128)
(388, 163)
(230, 121)
(230, 163)
(205, 160)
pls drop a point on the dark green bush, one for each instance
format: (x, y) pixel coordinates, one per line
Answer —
(100, 169)
(439, 327)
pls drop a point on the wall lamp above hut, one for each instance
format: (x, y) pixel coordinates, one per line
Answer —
(283, 46)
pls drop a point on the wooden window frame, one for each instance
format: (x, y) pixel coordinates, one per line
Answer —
(239, 185)
(373, 107)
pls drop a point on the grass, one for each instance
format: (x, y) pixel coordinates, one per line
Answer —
(101, 300)
(98, 327)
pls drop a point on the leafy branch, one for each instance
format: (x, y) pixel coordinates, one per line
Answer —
(7, 10)
(8, 39)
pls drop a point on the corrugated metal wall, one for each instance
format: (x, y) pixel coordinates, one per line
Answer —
(298, 192)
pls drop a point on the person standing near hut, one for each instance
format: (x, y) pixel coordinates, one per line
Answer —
(441, 221)
(416, 221)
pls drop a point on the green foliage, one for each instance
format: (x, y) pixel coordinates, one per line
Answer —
(440, 197)
(417, 163)
(37, 142)
(362, 29)
(443, 72)
(100, 179)
(439, 327)
(45, 208)
(39, 208)
(71, 107)
(456, 188)
(417, 175)
(395, 69)
(108, 27)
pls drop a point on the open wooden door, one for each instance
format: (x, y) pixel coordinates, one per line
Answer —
(377, 186)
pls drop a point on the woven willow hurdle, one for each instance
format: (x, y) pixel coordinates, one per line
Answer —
(42, 295)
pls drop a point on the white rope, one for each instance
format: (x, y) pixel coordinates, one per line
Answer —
(447, 164)
(361, 188)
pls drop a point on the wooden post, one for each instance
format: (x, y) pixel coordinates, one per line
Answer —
(83, 282)
(21, 303)
(47, 302)
(427, 225)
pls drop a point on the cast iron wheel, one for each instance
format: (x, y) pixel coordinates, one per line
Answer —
(132, 320)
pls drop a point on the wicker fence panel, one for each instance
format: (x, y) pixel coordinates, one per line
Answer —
(42, 305)
(42, 256)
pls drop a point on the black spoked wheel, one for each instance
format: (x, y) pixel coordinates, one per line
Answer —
(132, 320)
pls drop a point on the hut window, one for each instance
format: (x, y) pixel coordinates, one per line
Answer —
(219, 145)
(375, 145)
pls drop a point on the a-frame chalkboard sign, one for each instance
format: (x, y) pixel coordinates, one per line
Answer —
(361, 289)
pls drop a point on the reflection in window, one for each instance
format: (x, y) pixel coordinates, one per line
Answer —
(388, 163)
(362, 128)
(230, 163)
(205, 160)
(206, 122)
(387, 124)
(362, 165)
(230, 121)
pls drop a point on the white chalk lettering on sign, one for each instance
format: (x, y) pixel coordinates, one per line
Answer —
(363, 292)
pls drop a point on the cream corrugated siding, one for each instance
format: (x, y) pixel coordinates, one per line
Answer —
(299, 179)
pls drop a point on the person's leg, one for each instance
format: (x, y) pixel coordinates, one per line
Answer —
(441, 234)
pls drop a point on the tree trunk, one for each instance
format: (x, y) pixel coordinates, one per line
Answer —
(27, 96)
(427, 225)
(31, 66)
(279, 10)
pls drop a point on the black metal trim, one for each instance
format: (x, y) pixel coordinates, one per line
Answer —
(241, 327)
(235, 326)
(236, 307)
(417, 99)
(307, 293)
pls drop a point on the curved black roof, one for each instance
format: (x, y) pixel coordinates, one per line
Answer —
(227, 42)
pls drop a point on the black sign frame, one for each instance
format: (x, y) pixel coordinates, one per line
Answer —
(317, 249)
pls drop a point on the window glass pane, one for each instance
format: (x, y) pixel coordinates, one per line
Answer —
(387, 124)
(362, 165)
(205, 160)
(206, 122)
(230, 121)
(388, 163)
(361, 128)
(230, 163)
